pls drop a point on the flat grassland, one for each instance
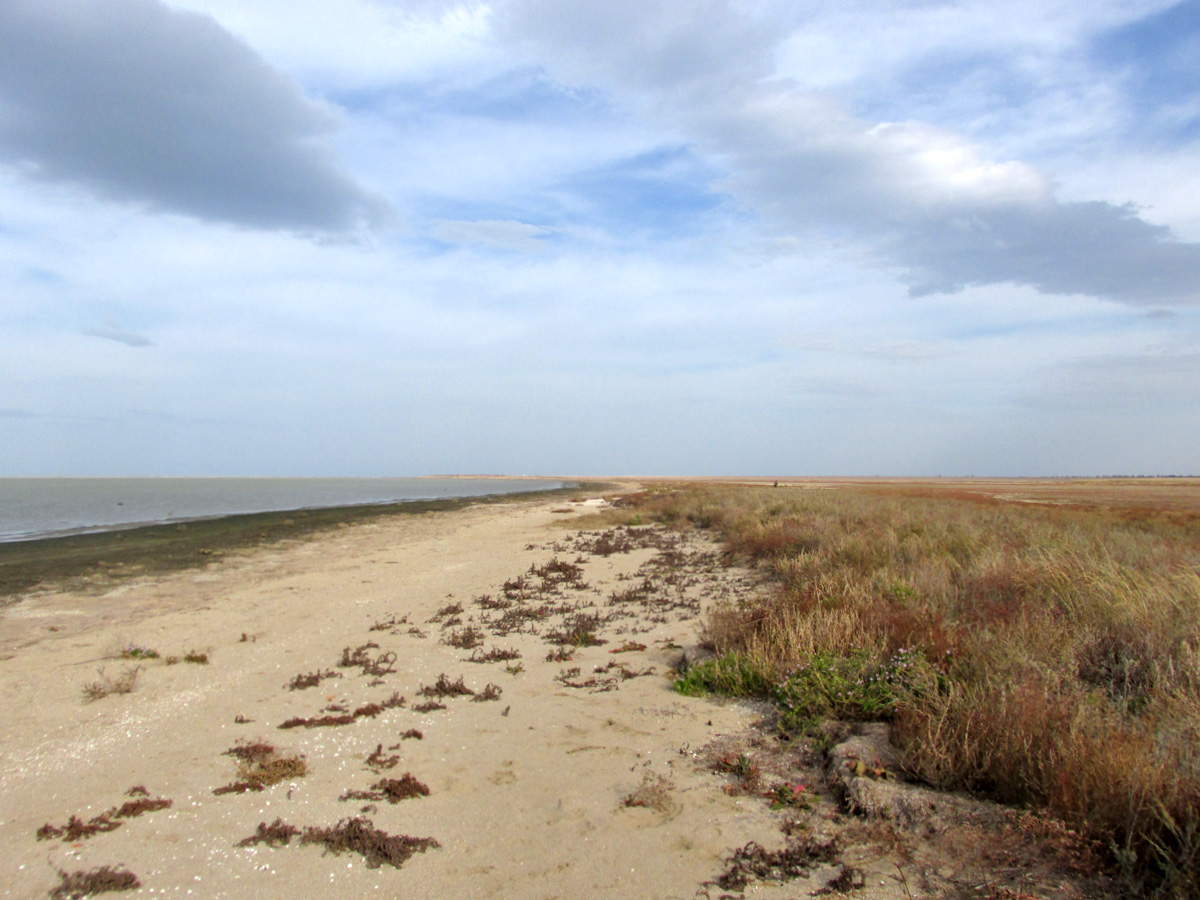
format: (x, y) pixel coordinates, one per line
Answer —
(1036, 642)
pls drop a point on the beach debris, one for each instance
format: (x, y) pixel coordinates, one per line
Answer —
(103, 879)
(261, 765)
(444, 687)
(311, 679)
(76, 829)
(356, 835)
(393, 790)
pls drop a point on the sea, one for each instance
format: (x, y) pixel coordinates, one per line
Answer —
(33, 508)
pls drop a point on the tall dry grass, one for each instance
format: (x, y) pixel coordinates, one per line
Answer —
(1061, 647)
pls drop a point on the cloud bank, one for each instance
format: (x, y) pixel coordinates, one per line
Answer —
(142, 103)
(923, 200)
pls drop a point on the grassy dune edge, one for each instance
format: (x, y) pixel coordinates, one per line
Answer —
(1045, 656)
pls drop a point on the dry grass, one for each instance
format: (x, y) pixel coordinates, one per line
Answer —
(108, 684)
(1044, 655)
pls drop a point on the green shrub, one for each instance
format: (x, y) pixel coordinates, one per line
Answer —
(733, 674)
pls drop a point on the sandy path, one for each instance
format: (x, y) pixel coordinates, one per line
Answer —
(526, 792)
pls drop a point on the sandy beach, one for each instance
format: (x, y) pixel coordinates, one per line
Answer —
(585, 776)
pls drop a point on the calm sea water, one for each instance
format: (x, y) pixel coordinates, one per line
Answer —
(39, 507)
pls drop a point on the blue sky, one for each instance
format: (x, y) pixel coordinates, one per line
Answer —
(547, 237)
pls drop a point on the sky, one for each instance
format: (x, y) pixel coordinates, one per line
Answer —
(678, 237)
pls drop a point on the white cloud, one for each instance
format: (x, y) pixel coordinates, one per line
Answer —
(903, 190)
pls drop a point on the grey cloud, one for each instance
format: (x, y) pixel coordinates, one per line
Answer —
(113, 332)
(919, 199)
(139, 102)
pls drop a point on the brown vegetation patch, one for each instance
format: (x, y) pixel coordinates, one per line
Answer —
(797, 859)
(311, 679)
(107, 684)
(495, 655)
(357, 835)
(76, 829)
(389, 624)
(579, 630)
(317, 721)
(491, 692)
(444, 687)
(261, 765)
(393, 790)
(361, 658)
(134, 808)
(377, 761)
(467, 638)
(101, 880)
(450, 610)
(277, 834)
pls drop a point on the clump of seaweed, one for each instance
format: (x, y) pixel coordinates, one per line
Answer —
(261, 765)
(389, 624)
(357, 835)
(101, 880)
(277, 834)
(495, 655)
(311, 679)
(77, 829)
(134, 808)
(428, 706)
(317, 721)
(487, 601)
(196, 657)
(411, 733)
(377, 761)
(466, 638)
(558, 574)
(393, 790)
(450, 609)
(793, 861)
(359, 657)
(561, 654)
(367, 711)
(579, 630)
(491, 692)
(444, 687)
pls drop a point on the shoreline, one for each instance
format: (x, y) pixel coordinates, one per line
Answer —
(71, 561)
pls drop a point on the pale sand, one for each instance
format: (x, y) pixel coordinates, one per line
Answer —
(528, 804)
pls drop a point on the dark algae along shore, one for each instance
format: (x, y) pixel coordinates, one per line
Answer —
(157, 549)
